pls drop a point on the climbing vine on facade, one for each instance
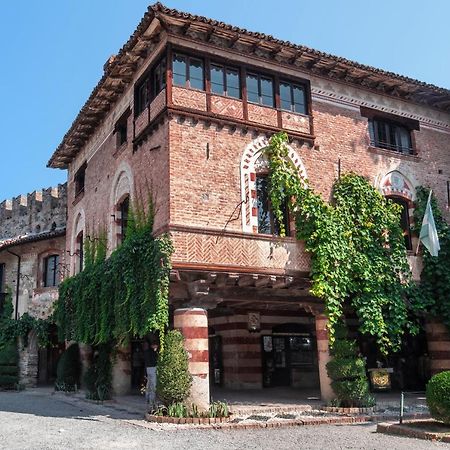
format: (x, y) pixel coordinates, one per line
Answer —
(358, 256)
(435, 277)
(122, 296)
(11, 329)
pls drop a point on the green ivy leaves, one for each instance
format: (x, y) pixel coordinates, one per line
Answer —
(356, 244)
(122, 296)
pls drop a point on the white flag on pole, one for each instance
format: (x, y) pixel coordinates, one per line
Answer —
(428, 232)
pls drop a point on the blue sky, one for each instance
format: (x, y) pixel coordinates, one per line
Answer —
(53, 53)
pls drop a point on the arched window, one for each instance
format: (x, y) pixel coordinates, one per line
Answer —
(267, 222)
(404, 220)
(124, 209)
(80, 251)
(257, 215)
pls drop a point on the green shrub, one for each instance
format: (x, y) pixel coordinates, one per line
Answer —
(438, 397)
(173, 378)
(9, 370)
(348, 373)
(68, 370)
(98, 378)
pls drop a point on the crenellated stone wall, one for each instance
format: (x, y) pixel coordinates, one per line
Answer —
(34, 213)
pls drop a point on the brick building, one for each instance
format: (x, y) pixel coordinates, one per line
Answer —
(183, 110)
(32, 245)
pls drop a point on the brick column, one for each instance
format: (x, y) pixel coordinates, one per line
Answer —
(323, 356)
(85, 358)
(438, 340)
(121, 371)
(193, 324)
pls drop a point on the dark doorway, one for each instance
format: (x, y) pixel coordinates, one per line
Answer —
(48, 358)
(289, 357)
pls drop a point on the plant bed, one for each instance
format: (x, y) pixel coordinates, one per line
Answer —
(342, 410)
(186, 420)
(428, 429)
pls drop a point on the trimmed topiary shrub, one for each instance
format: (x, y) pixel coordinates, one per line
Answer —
(173, 380)
(9, 369)
(348, 372)
(68, 370)
(438, 397)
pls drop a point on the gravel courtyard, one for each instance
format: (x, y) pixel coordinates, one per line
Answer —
(32, 421)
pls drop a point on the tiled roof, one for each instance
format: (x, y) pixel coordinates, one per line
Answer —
(119, 70)
(28, 238)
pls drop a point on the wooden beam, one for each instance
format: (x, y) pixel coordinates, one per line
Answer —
(247, 280)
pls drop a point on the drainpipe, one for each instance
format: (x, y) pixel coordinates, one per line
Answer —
(19, 260)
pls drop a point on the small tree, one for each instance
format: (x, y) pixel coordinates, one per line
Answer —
(98, 378)
(173, 378)
(438, 397)
(68, 370)
(348, 372)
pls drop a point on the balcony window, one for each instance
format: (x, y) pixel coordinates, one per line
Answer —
(141, 97)
(260, 90)
(158, 78)
(51, 271)
(225, 81)
(292, 97)
(188, 72)
(267, 223)
(390, 135)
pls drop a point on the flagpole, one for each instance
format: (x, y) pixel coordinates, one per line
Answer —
(429, 200)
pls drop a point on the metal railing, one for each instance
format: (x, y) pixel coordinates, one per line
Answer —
(404, 394)
(390, 146)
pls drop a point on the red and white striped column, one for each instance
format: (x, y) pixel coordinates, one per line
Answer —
(193, 324)
(323, 356)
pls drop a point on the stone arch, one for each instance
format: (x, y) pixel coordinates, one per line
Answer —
(250, 161)
(395, 183)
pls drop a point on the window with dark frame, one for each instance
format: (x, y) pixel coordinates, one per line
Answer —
(260, 89)
(150, 86)
(79, 179)
(404, 220)
(188, 72)
(293, 97)
(121, 129)
(51, 271)
(80, 251)
(267, 223)
(390, 135)
(124, 210)
(158, 76)
(225, 81)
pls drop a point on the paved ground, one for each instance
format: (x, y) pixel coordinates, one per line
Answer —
(30, 420)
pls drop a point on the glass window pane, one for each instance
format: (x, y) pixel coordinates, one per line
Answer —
(266, 87)
(233, 83)
(252, 88)
(404, 139)
(179, 70)
(299, 99)
(217, 85)
(216, 74)
(196, 73)
(285, 96)
(262, 195)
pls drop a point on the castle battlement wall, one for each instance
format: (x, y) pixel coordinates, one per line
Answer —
(36, 212)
